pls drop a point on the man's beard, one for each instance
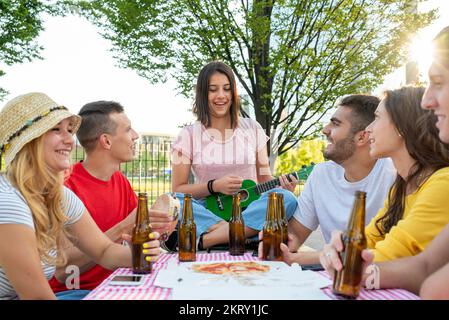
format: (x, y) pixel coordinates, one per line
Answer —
(341, 150)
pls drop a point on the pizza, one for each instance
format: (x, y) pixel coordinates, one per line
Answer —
(234, 268)
(247, 267)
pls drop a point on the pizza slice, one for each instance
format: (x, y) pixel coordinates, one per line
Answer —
(236, 268)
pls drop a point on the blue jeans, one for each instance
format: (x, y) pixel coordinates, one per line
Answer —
(253, 216)
(72, 294)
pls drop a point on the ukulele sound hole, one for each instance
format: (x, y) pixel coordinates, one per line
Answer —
(243, 195)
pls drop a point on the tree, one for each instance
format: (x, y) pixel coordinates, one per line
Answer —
(20, 24)
(308, 151)
(293, 58)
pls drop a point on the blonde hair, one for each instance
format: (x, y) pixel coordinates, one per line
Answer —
(43, 192)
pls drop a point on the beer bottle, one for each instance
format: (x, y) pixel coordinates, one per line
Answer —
(141, 234)
(282, 219)
(271, 237)
(347, 281)
(187, 232)
(236, 228)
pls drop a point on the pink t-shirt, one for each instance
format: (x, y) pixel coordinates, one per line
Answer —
(214, 158)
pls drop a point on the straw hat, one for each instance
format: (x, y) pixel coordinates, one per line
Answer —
(27, 117)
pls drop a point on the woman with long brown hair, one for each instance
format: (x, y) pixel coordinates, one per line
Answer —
(416, 208)
(222, 149)
(422, 159)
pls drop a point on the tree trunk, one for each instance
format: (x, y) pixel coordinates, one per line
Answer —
(263, 103)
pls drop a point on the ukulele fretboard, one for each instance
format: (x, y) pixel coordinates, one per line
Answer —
(265, 186)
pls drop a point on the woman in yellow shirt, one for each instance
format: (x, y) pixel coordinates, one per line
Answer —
(416, 208)
(425, 213)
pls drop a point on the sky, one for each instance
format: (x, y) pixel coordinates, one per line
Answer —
(78, 68)
(421, 46)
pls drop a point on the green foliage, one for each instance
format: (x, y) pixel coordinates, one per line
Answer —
(293, 58)
(20, 24)
(308, 151)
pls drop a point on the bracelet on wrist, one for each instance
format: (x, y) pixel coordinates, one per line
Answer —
(210, 188)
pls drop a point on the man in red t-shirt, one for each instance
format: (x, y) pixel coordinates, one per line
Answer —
(109, 140)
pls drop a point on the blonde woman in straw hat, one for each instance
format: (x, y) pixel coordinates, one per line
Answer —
(36, 210)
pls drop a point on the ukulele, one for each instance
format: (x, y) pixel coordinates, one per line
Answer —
(221, 204)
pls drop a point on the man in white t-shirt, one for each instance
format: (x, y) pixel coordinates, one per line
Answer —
(328, 194)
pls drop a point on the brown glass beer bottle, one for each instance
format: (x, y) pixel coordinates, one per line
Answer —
(271, 235)
(187, 232)
(236, 229)
(141, 234)
(282, 219)
(347, 281)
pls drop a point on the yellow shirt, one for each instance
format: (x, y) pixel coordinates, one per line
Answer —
(426, 212)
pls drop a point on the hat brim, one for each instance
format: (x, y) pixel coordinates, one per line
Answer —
(36, 130)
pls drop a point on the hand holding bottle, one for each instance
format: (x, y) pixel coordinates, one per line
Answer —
(330, 258)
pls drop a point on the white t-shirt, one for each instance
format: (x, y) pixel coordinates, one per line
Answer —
(327, 198)
(14, 210)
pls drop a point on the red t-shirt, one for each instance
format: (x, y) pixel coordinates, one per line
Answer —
(108, 202)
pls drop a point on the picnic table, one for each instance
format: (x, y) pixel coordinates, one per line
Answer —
(148, 291)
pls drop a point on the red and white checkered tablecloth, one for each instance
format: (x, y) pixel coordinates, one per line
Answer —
(148, 291)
